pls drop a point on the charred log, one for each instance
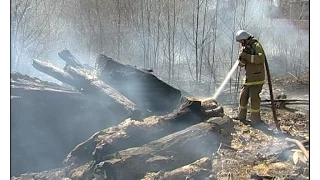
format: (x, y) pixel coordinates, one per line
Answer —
(25, 81)
(92, 85)
(69, 59)
(85, 82)
(140, 86)
(166, 154)
(131, 133)
(200, 169)
(48, 120)
(53, 71)
(52, 174)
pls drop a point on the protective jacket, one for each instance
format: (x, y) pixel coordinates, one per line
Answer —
(253, 57)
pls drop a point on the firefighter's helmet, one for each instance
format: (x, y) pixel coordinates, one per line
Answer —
(242, 34)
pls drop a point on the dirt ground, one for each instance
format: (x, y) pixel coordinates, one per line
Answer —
(264, 153)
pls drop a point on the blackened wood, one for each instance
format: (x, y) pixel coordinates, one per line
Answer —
(53, 71)
(131, 133)
(86, 82)
(166, 154)
(69, 59)
(48, 120)
(200, 169)
(92, 85)
(140, 86)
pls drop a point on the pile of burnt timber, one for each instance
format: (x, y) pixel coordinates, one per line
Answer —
(178, 145)
(48, 120)
(177, 135)
(165, 154)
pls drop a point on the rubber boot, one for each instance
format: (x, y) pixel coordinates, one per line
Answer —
(255, 118)
(242, 115)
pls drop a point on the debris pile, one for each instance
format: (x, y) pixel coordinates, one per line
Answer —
(140, 126)
(115, 121)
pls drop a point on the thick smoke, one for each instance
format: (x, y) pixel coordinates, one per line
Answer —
(151, 35)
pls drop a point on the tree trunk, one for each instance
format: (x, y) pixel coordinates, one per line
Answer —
(131, 133)
(165, 154)
(140, 86)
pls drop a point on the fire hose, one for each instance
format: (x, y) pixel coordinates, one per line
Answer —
(273, 107)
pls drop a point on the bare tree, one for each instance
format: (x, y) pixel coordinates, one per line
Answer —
(199, 35)
(211, 64)
(33, 29)
(156, 41)
(171, 31)
(119, 31)
(101, 37)
(194, 40)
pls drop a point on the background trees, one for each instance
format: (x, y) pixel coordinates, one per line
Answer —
(189, 44)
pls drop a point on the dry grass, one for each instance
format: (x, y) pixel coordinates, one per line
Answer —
(255, 150)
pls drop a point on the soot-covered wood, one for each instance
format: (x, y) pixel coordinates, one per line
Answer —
(149, 142)
(69, 59)
(85, 82)
(92, 85)
(200, 169)
(140, 86)
(164, 154)
(131, 133)
(48, 120)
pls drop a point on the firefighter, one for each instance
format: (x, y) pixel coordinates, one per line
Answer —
(252, 58)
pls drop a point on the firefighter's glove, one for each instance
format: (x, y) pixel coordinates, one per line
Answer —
(244, 56)
(241, 62)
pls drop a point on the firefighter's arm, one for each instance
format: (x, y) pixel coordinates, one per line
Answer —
(241, 63)
(258, 58)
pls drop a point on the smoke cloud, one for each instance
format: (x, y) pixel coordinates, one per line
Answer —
(149, 35)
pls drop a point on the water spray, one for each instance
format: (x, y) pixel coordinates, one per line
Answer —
(217, 93)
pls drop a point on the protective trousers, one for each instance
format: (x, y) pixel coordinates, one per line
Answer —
(252, 92)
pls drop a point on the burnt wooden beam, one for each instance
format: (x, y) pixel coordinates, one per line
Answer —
(199, 169)
(70, 59)
(48, 120)
(86, 82)
(140, 86)
(53, 71)
(91, 84)
(131, 133)
(167, 153)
